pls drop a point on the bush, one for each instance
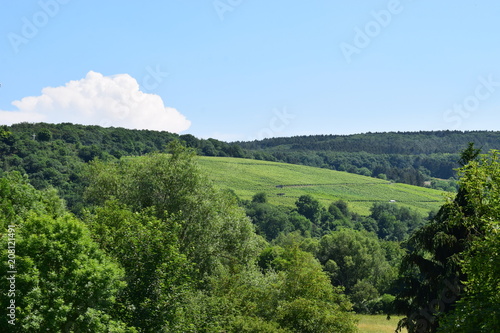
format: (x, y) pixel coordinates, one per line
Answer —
(381, 305)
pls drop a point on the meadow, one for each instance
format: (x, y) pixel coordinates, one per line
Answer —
(377, 324)
(284, 183)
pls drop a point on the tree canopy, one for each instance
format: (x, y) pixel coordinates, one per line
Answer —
(64, 282)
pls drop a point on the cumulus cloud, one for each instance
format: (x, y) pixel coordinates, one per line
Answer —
(98, 100)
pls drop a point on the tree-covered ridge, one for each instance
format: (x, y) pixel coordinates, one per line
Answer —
(91, 141)
(402, 143)
(55, 154)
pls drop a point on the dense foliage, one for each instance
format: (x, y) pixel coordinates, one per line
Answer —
(478, 308)
(157, 249)
(144, 242)
(449, 277)
(64, 281)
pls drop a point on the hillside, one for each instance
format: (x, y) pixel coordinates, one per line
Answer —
(247, 177)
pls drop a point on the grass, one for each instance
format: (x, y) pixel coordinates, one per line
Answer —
(248, 177)
(377, 324)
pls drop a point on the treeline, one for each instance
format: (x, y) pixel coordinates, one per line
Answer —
(96, 141)
(399, 143)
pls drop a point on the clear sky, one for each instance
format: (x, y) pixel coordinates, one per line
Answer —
(248, 69)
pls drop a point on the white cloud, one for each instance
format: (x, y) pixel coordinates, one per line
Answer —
(98, 100)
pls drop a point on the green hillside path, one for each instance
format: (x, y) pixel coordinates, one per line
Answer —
(284, 183)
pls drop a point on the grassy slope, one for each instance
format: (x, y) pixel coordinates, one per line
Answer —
(247, 177)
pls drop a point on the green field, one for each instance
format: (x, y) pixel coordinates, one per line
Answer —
(377, 324)
(247, 177)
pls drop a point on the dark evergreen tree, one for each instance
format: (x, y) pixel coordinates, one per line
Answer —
(430, 273)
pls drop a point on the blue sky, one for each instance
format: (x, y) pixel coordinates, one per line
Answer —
(244, 70)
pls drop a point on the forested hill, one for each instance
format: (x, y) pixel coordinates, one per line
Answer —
(92, 141)
(406, 143)
(54, 154)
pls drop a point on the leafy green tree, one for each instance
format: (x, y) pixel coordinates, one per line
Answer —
(44, 135)
(393, 222)
(381, 305)
(211, 230)
(387, 225)
(157, 274)
(5, 134)
(362, 293)
(18, 198)
(311, 303)
(300, 223)
(350, 256)
(290, 292)
(189, 141)
(64, 282)
(270, 220)
(260, 197)
(364, 171)
(208, 148)
(6, 141)
(88, 153)
(309, 207)
(342, 206)
(335, 212)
